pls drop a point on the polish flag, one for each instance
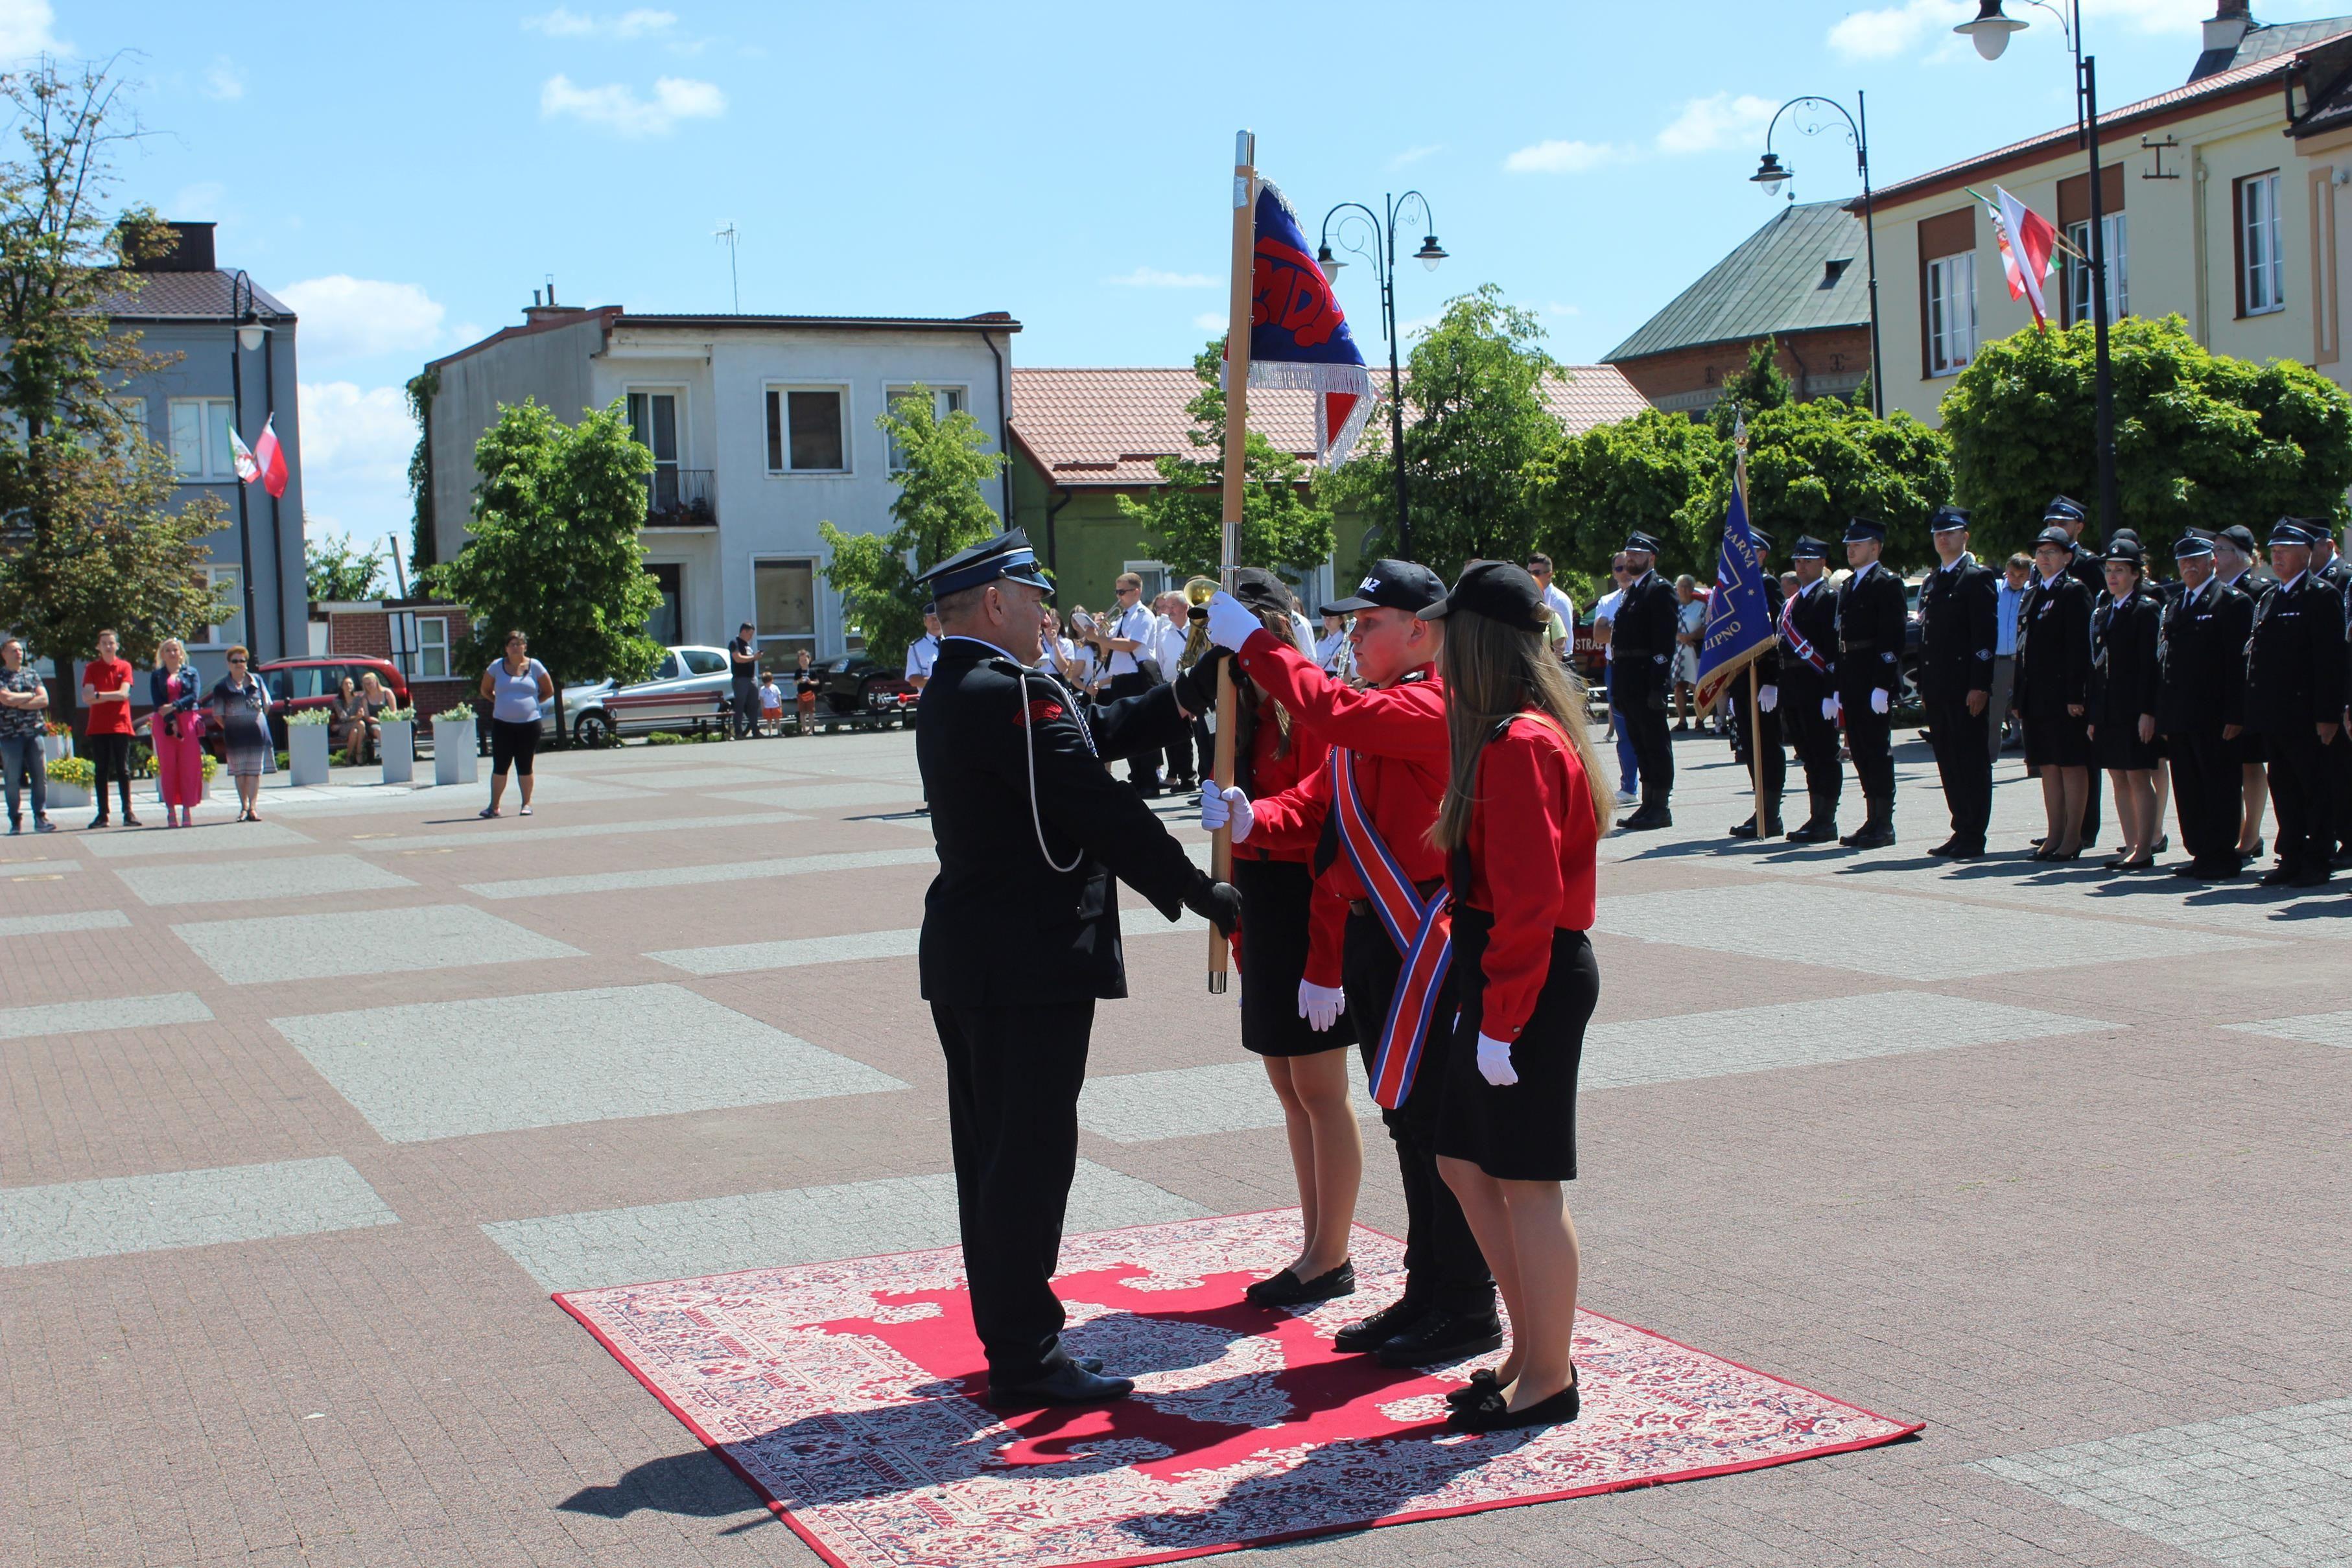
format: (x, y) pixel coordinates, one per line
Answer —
(247, 469)
(2028, 250)
(272, 459)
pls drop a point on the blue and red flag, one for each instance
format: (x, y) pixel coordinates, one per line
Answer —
(1738, 614)
(1298, 335)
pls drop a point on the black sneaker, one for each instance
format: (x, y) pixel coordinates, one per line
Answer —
(1442, 1337)
(1287, 1290)
(1367, 1334)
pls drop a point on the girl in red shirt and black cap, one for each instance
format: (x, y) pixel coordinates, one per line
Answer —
(1521, 824)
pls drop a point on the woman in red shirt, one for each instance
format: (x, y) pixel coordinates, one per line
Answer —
(1521, 824)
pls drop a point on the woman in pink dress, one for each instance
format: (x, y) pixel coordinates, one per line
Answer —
(177, 727)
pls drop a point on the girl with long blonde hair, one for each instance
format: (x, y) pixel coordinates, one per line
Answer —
(1521, 824)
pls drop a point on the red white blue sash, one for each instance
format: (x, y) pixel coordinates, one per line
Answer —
(1422, 928)
(1794, 640)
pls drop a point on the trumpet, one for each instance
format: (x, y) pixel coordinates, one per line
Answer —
(1197, 593)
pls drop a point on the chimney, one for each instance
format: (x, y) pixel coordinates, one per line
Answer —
(536, 311)
(2228, 26)
(191, 250)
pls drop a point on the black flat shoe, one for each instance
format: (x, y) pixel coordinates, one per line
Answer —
(2145, 862)
(1068, 1384)
(1491, 1415)
(1441, 1336)
(1287, 1290)
(1483, 1382)
(1745, 829)
(1367, 1335)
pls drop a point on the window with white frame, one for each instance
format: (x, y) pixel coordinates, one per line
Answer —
(2261, 261)
(200, 443)
(431, 649)
(1155, 578)
(945, 401)
(228, 588)
(808, 430)
(1951, 313)
(784, 606)
(2078, 269)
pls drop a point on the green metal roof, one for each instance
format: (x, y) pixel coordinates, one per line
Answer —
(1776, 281)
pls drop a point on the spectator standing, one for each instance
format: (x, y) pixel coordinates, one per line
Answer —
(1561, 604)
(924, 650)
(24, 719)
(106, 693)
(1122, 645)
(515, 687)
(804, 684)
(239, 705)
(1690, 626)
(1334, 654)
(2009, 598)
(1604, 632)
(1172, 630)
(742, 667)
(1643, 641)
(772, 702)
(176, 726)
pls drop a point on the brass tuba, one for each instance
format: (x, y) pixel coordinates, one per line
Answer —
(1197, 593)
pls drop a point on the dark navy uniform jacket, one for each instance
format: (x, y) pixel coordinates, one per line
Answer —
(2202, 656)
(1814, 620)
(1642, 639)
(1001, 927)
(1872, 618)
(2295, 658)
(1960, 625)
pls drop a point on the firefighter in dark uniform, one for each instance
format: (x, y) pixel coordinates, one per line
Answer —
(1641, 651)
(2200, 706)
(2237, 563)
(1872, 618)
(2294, 694)
(1020, 933)
(2329, 565)
(1959, 616)
(1764, 725)
(1808, 688)
(2084, 566)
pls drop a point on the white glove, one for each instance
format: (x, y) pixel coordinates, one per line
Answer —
(1320, 1005)
(1829, 707)
(1878, 699)
(1230, 621)
(1766, 698)
(1495, 1062)
(1220, 807)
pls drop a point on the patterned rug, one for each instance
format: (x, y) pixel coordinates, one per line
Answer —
(848, 1394)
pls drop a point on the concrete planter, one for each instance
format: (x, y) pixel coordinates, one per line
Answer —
(64, 797)
(306, 753)
(56, 748)
(454, 761)
(398, 739)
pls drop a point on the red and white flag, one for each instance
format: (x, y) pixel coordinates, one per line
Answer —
(247, 469)
(2029, 248)
(270, 459)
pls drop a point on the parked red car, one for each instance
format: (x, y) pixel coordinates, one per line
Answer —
(296, 684)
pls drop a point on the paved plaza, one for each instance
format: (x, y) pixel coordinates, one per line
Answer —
(301, 1122)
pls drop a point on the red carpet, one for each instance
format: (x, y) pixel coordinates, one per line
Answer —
(848, 1393)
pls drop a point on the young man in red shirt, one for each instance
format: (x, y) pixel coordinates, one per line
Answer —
(106, 693)
(1398, 755)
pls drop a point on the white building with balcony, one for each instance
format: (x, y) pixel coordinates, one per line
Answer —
(761, 427)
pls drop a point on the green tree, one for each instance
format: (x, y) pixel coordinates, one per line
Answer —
(1760, 386)
(1812, 465)
(2202, 440)
(1476, 422)
(88, 536)
(555, 550)
(339, 571)
(939, 511)
(424, 549)
(1593, 489)
(1283, 530)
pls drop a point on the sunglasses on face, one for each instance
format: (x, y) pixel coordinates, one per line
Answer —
(237, 660)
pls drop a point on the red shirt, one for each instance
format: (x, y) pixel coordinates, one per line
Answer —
(1534, 813)
(108, 675)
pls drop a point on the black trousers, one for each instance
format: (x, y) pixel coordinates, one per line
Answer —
(2207, 793)
(1964, 763)
(1817, 750)
(1773, 764)
(2091, 807)
(110, 758)
(2301, 792)
(1871, 737)
(747, 707)
(1143, 767)
(1013, 1076)
(2339, 776)
(1197, 742)
(1443, 1266)
(1643, 721)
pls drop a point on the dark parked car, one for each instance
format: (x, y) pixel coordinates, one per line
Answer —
(296, 684)
(856, 684)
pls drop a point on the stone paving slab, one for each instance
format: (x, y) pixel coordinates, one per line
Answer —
(288, 876)
(35, 866)
(445, 1069)
(735, 959)
(2318, 1028)
(364, 942)
(697, 875)
(702, 777)
(538, 828)
(184, 1209)
(57, 924)
(205, 838)
(108, 1013)
(826, 797)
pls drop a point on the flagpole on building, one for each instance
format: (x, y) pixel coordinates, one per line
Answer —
(1236, 484)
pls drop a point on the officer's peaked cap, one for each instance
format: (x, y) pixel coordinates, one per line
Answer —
(1007, 556)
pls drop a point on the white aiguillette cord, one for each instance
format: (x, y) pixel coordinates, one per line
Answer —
(1029, 750)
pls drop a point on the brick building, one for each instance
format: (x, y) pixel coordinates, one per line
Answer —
(419, 636)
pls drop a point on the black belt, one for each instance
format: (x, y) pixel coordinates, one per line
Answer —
(1363, 906)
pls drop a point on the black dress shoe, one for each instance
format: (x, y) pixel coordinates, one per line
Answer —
(1948, 848)
(1645, 819)
(1491, 1415)
(1367, 1335)
(2277, 876)
(1068, 1384)
(1483, 1382)
(2314, 877)
(1815, 834)
(1442, 1337)
(1869, 838)
(1745, 829)
(1287, 1290)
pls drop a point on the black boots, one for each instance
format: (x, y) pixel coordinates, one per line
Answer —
(1878, 830)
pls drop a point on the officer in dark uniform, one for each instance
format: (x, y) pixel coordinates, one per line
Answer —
(2329, 565)
(1764, 726)
(1959, 616)
(1020, 933)
(1808, 657)
(2085, 567)
(2200, 706)
(1872, 618)
(1641, 651)
(2294, 694)
(2237, 563)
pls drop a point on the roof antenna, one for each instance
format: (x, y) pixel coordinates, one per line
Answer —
(551, 289)
(728, 238)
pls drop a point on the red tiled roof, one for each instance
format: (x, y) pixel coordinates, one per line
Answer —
(1106, 427)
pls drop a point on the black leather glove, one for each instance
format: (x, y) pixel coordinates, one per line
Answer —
(1196, 688)
(1218, 902)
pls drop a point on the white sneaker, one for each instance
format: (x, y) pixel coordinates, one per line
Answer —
(1625, 798)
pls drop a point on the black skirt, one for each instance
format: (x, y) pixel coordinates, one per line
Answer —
(1524, 1131)
(2057, 740)
(1275, 897)
(2119, 747)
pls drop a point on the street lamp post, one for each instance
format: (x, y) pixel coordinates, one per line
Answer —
(1770, 174)
(250, 335)
(236, 346)
(1990, 32)
(1373, 237)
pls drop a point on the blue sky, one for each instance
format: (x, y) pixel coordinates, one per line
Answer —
(406, 175)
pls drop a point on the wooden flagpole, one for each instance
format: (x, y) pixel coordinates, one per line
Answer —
(1236, 480)
(1755, 719)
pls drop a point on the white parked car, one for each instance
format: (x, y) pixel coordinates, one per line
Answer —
(686, 689)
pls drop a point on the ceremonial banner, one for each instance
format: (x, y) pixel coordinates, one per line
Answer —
(1738, 615)
(2028, 250)
(1299, 334)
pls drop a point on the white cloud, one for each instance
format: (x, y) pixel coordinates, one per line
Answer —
(1412, 155)
(1709, 123)
(197, 201)
(619, 109)
(1883, 33)
(562, 22)
(25, 30)
(346, 318)
(1153, 277)
(1210, 320)
(224, 81)
(355, 449)
(1563, 157)
(1556, 309)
